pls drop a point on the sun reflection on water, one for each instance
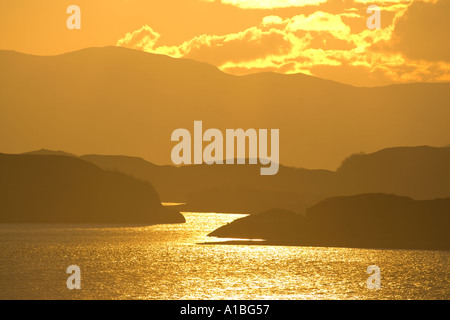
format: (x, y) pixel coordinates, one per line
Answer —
(167, 262)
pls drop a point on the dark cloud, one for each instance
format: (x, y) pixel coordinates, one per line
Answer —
(421, 33)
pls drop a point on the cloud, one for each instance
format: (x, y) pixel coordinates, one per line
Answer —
(142, 39)
(270, 4)
(390, 2)
(253, 43)
(421, 32)
(324, 44)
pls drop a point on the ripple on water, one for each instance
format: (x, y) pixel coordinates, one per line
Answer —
(166, 262)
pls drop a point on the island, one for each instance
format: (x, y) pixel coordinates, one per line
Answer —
(62, 189)
(361, 221)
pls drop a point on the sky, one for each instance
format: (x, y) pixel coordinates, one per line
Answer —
(324, 38)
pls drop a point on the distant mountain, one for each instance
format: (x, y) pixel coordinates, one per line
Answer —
(181, 184)
(47, 152)
(416, 172)
(120, 101)
(54, 188)
(170, 182)
(366, 220)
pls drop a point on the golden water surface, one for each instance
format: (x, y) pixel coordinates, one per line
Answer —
(168, 262)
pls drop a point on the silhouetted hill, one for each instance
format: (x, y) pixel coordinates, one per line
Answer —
(365, 220)
(416, 172)
(178, 184)
(47, 152)
(275, 225)
(164, 178)
(54, 188)
(121, 101)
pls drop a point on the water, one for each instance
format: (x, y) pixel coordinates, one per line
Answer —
(167, 262)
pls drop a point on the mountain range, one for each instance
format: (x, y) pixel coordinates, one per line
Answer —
(416, 172)
(115, 100)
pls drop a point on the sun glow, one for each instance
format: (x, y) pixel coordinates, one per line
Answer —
(270, 4)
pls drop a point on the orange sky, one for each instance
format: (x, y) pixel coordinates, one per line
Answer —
(325, 38)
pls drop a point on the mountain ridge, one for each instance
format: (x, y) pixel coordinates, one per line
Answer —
(253, 74)
(122, 101)
(169, 58)
(418, 172)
